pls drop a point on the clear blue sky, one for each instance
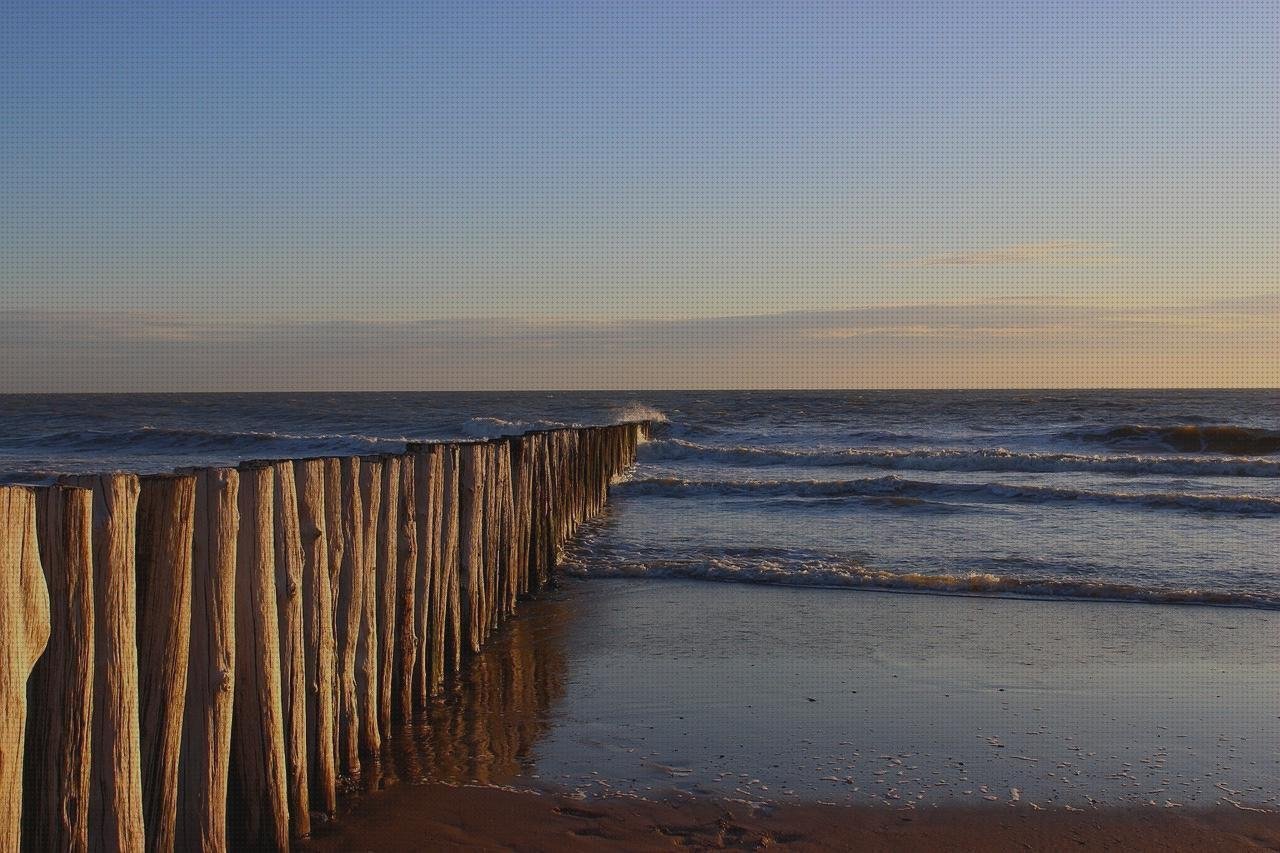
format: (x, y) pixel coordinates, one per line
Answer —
(1045, 193)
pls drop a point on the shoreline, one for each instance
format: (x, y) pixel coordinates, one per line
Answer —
(604, 716)
(477, 817)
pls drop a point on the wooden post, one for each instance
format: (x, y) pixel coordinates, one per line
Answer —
(488, 493)
(350, 609)
(367, 644)
(425, 586)
(166, 529)
(448, 618)
(470, 548)
(56, 770)
(335, 530)
(317, 617)
(386, 579)
(204, 765)
(258, 744)
(522, 494)
(509, 534)
(24, 633)
(115, 793)
(406, 595)
(431, 595)
(289, 564)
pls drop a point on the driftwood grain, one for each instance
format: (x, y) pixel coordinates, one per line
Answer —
(289, 561)
(258, 745)
(166, 528)
(60, 694)
(350, 612)
(24, 633)
(115, 792)
(205, 761)
(321, 652)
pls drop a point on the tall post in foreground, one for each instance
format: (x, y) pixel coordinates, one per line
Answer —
(258, 752)
(406, 595)
(166, 525)
(24, 632)
(350, 610)
(387, 574)
(367, 643)
(334, 531)
(317, 612)
(205, 761)
(56, 772)
(115, 793)
(293, 671)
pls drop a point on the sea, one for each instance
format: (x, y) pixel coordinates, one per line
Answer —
(1142, 496)
(909, 599)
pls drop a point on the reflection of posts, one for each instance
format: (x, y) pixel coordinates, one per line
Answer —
(500, 706)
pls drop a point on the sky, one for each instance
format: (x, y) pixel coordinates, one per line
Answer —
(307, 196)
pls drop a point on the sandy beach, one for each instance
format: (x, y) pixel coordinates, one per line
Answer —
(440, 817)
(650, 715)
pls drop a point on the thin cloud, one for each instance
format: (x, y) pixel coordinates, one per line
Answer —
(1049, 253)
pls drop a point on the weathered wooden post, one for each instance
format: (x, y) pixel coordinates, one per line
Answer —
(489, 530)
(405, 659)
(258, 744)
(387, 573)
(204, 764)
(165, 534)
(509, 535)
(471, 494)
(24, 633)
(367, 643)
(60, 695)
(432, 592)
(425, 587)
(317, 617)
(350, 610)
(447, 619)
(335, 530)
(115, 793)
(289, 563)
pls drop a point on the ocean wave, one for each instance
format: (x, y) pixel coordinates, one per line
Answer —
(640, 412)
(892, 486)
(947, 459)
(1188, 438)
(782, 571)
(148, 439)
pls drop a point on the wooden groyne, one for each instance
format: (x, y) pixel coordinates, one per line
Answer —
(191, 661)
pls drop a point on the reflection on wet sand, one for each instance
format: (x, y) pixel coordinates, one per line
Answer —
(484, 726)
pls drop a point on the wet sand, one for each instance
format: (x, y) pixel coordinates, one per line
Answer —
(652, 714)
(440, 817)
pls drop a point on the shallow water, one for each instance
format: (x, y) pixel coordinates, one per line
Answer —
(773, 694)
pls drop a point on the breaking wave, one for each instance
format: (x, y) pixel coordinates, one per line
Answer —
(786, 570)
(897, 487)
(943, 459)
(1189, 438)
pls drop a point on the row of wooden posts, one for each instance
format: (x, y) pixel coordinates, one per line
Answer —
(194, 659)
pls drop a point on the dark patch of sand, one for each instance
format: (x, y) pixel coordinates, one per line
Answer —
(445, 817)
